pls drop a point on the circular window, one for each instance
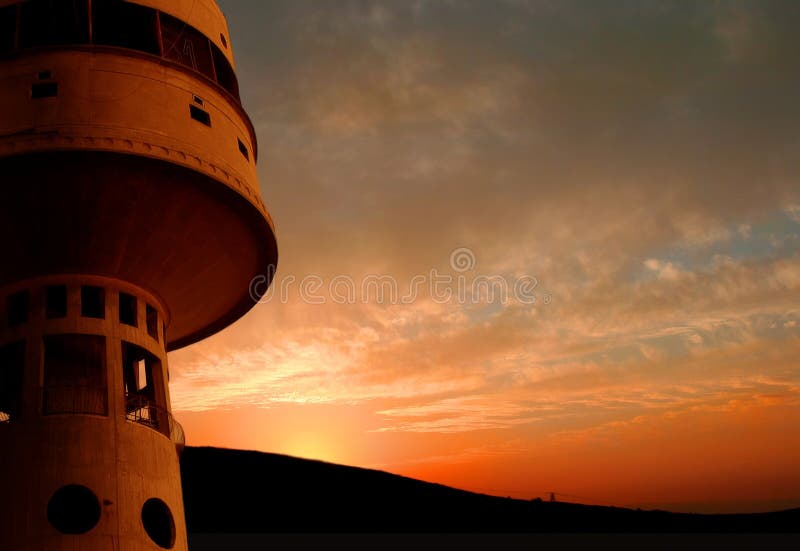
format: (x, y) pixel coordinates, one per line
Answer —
(158, 523)
(73, 510)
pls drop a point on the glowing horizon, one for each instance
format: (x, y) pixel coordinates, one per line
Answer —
(636, 167)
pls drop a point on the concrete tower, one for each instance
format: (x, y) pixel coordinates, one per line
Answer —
(130, 225)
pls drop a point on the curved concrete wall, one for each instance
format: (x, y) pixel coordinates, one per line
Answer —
(122, 461)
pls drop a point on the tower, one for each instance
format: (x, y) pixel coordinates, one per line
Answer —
(131, 225)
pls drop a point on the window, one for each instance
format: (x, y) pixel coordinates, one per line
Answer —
(226, 77)
(145, 396)
(53, 22)
(8, 28)
(243, 150)
(158, 523)
(127, 25)
(152, 322)
(93, 302)
(186, 45)
(56, 302)
(17, 306)
(41, 90)
(75, 375)
(128, 310)
(12, 368)
(115, 23)
(73, 510)
(200, 115)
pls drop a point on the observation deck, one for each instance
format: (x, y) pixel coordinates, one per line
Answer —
(121, 128)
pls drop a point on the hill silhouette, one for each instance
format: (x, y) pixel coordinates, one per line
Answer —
(233, 491)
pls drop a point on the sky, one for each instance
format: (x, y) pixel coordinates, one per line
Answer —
(525, 247)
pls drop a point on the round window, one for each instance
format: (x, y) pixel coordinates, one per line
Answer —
(158, 523)
(73, 509)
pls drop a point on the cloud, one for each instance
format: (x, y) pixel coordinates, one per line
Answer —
(635, 158)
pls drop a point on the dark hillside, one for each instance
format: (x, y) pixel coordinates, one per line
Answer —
(231, 491)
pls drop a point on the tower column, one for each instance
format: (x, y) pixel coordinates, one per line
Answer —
(84, 405)
(131, 224)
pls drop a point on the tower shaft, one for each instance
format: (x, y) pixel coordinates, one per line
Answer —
(131, 224)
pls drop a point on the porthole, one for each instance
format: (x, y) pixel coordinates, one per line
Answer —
(158, 523)
(73, 510)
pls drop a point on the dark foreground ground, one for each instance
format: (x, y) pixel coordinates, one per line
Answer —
(240, 492)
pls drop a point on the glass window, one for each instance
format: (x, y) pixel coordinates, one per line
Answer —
(53, 22)
(75, 375)
(118, 23)
(186, 45)
(226, 77)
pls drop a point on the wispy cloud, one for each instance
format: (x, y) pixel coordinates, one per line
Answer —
(638, 159)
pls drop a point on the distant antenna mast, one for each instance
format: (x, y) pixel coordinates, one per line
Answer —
(552, 497)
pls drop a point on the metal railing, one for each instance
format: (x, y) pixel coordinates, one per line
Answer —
(87, 400)
(144, 411)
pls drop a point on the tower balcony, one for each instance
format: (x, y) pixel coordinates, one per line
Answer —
(144, 411)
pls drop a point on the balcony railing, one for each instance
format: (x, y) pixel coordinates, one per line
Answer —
(88, 400)
(66, 400)
(143, 410)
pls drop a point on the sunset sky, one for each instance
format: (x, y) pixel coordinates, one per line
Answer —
(636, 163)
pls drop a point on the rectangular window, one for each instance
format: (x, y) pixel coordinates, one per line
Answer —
(41, 90)
(226, 77)
(243, 150)
(127, 25)
(8, 28)
(152, 322)
(186, 45)
(93, 302)
(128, 310)
(200, 115)
(53, 22)
(17, 307)
(75, 375)
(56, 301)
(12, 368)
(145, 398)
